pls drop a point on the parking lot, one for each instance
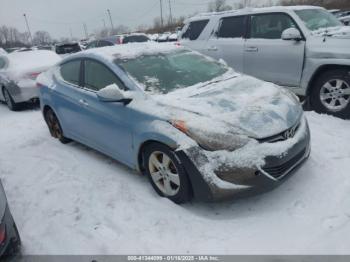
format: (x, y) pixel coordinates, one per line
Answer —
(69, 199)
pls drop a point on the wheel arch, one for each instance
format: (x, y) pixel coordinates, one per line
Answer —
(319, 71)
(143, 145)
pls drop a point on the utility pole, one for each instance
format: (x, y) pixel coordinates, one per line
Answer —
(170, 13)
(161, 13)
(85, 30)
(30, 34)
(110, 19)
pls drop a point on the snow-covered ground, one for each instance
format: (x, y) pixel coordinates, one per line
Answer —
(69, 199)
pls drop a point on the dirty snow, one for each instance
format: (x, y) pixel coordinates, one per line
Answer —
(68, 199)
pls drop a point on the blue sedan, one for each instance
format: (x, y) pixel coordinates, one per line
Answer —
(190, 123)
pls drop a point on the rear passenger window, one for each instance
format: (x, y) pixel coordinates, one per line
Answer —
(270, 26)
(232, 27)
(195, 29)
(70, 72)
(98, 76)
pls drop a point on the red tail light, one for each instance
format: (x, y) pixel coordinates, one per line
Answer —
(33, 76)
(2, 233)
(38, 85)
(119, 41)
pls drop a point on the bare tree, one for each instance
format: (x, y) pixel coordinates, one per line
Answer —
(42, 38)
(218, 6)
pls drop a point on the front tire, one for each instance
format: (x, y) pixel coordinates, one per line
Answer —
(166, 174)
(9, 100)
(55, 126)
(331, 93)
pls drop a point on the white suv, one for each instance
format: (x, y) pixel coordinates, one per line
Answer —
(303, 48)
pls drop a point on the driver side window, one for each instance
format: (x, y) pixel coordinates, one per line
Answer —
(98, 76)
(270, 26)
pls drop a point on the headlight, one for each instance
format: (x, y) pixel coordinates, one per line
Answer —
(212, 141)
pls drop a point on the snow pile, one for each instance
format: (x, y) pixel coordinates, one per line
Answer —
(83, 202)
(132, 50)
(2, 51)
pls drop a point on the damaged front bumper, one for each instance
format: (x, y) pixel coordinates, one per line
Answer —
(225, 181)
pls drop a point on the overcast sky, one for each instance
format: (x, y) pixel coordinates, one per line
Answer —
(58, 17)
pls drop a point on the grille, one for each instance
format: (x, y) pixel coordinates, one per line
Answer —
(278, 171)
(281, 136)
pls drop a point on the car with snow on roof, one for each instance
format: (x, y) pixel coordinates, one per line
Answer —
(18, 71)
(194, 126)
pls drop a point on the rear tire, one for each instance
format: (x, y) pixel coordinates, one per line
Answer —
(55, 126)
(331, 93)
(166, 174)
(9, 100)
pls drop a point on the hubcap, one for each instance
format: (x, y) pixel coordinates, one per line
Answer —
(164, 173)
(335, 95)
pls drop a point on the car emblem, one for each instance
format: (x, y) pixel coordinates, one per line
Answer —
(289, 133)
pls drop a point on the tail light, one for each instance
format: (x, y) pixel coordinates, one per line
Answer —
(2, 233)
(38, 85)
(119, 41)
(177, 44)
(33, 76)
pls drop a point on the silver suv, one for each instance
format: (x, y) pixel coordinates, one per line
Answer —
(303, 48)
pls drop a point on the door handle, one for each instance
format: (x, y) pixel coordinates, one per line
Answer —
(213, 48)
(251, 49)
(83, 102)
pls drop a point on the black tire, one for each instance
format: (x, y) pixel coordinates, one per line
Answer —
(55, 126)
(184, 190)
(9, 100)
(331, 77)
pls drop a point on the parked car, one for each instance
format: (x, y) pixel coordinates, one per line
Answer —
(164, 37)
(18, 71)
(10, 240)
(345, 20)
(64, 49)
(305, 49)
(118, 40)
(192, 124)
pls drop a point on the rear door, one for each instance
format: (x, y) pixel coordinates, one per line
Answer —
(227, 42)
(267, 56)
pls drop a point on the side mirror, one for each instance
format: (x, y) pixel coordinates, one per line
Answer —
(292, 34)
(113, 93)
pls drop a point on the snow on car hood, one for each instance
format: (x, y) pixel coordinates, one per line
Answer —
(337, 32)
(235, 104)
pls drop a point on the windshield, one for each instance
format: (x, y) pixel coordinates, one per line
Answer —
(316, 19)
(162, 73)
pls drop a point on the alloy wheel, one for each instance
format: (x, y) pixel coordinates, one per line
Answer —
(335, 95)
(164, 173)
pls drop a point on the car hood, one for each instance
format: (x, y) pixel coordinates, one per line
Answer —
(235, 104)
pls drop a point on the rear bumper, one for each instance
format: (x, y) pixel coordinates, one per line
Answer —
(23, 91)
(244, 181)
(12, 240)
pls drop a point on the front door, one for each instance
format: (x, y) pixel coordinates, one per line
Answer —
(267, 56)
